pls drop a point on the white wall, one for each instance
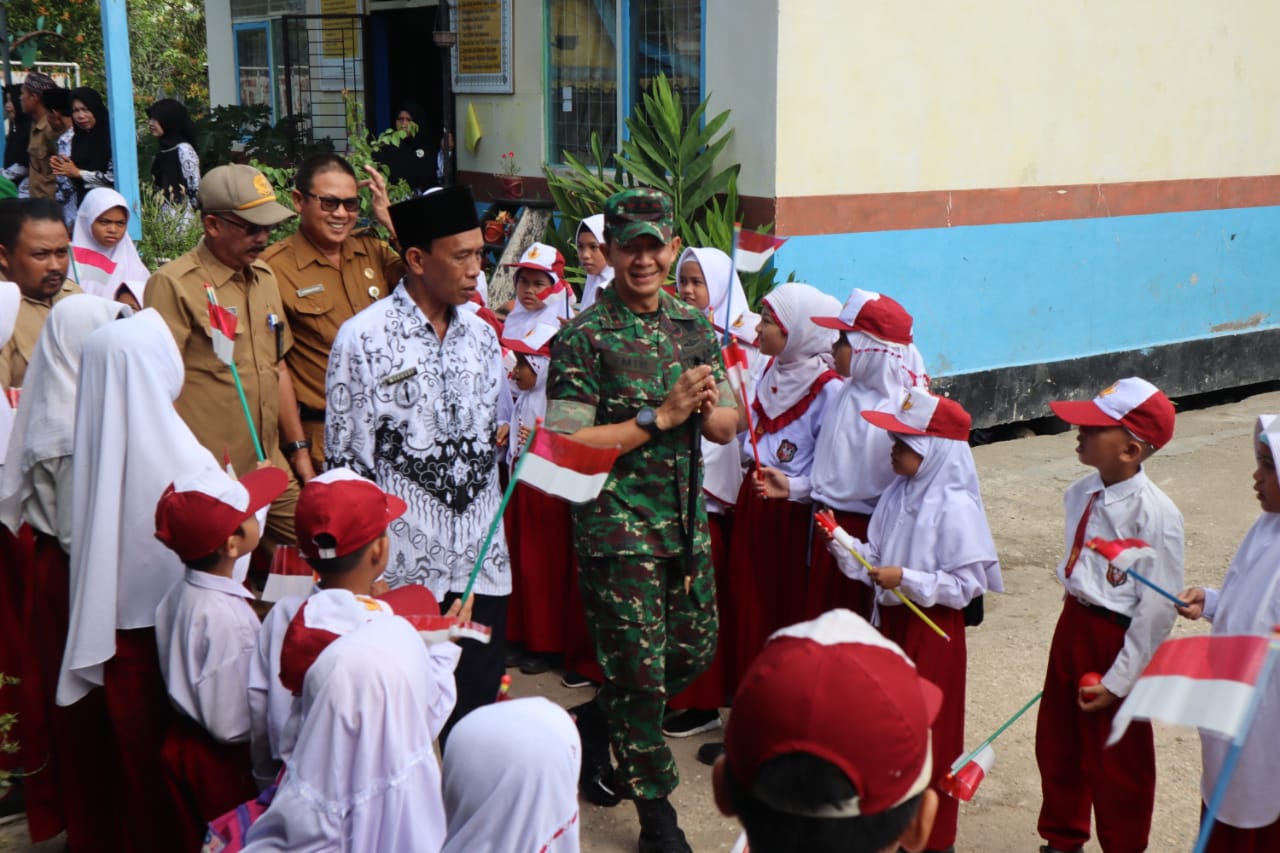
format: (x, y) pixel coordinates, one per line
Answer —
(223, 88)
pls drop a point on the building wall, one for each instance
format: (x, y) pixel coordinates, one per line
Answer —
(741, 75)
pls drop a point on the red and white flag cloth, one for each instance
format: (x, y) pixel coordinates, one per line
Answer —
(754, 250)
(736, 366)
(222, 328)
(1121, 553)
(1207, 682)
(564, 468)
(963, 783)
(442, 629)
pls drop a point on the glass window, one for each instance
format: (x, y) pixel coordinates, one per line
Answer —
(582, 76)
(666, 38)
(253, 64)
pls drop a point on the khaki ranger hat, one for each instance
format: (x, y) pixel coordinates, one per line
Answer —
(244, 191)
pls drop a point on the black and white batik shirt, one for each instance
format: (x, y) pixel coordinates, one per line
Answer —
(419, 416)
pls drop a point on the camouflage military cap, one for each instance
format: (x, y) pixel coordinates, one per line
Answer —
(635, 212)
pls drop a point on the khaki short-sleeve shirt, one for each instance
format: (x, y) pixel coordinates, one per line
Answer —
(16, 354)
(209, 403)
(319, 297)
(42, 144)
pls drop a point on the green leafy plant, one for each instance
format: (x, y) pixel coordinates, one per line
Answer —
(168, 230)
(669, 153)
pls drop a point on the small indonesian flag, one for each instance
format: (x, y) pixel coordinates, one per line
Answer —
(1121, 553)
(564, 468)
(735, 365)
(1206, 682)
(222, 328)
(442, 629)
(289, 575)
(754, 250)
(963, 783)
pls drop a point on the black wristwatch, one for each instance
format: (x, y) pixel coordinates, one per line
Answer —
(294, 446)
(647, 420)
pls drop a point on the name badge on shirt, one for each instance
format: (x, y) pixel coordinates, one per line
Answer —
(304, 292)
(401, 376)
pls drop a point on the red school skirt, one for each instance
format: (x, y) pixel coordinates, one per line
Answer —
(542, 569)
(828, 587)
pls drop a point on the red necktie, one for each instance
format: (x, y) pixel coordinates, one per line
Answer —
(1079, 540)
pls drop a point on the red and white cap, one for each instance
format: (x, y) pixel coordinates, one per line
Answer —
(1132, 403)
(922, 413)
(322, 618)
(839, 690)
(536, 341)
(339, 512)
(873, 313)
(199, 511)
(542, 258)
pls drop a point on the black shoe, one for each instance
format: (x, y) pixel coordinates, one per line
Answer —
(709, 752)
(1045, 848)
(659, 831)
(535, 664)
(514, 654)
(596, 779)
(691, 721)
(574, 680)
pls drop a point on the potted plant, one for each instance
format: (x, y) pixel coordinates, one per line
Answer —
(512, 183)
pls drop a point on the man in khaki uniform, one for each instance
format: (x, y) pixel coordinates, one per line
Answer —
(35, 252)
(327, 275)
(238, 210)
(43, 143)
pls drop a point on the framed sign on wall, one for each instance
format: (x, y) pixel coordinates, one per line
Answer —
(482, 56)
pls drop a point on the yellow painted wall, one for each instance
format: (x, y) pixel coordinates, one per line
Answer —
(905, 95)
(512, 122)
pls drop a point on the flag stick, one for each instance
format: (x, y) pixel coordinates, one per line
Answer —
(244, 401)
(751, 431)
(911, 605)
(733, 268)
(502, 507)
(965, 759)
(1177, 602)
(1237, 746)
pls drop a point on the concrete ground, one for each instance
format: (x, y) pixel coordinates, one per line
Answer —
(1206, 470)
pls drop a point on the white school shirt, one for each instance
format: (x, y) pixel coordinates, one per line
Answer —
(206, 633)
(271, 705)
(791, 448)
(1249, 603)
(419, 416)
(1131, 509)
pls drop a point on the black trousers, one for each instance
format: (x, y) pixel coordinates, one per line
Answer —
(479, 672)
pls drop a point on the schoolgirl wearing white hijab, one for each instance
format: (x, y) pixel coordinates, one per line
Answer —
(106, 260)
(929, 537)
(1248, 603)
(539, 528)
(546, 299)
(363, 774)
(851, 463)
(511, 780)
(771, 525)
(591, 257)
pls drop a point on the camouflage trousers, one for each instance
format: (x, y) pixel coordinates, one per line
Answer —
(652, 639)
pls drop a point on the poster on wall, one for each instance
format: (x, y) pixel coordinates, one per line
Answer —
(482, 56)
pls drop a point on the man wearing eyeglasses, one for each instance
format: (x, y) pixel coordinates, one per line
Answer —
(238, 210)
(327, 274)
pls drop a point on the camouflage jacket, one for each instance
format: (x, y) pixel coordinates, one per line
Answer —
(605, 366)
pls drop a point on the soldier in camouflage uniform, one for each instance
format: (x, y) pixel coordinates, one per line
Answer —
(631, 371)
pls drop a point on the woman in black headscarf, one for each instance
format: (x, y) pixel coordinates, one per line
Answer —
(176, 169)
(414, 159)
(19, 135)
(90, 164)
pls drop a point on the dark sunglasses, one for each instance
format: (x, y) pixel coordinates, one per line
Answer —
(248, 228)
(330, 203)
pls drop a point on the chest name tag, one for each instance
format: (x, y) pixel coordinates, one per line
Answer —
(394, 378)
(635, 364)
(304, 292)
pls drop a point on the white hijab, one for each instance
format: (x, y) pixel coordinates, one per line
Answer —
(723, 296)
(555, 308)
(10, 300)
(935, 520)
(129, 445)
(529, 405)
(99, 270)
(510, 780)
(363, 774)
(44, 425)
(595, 281)
(807, 352)
(856, 453)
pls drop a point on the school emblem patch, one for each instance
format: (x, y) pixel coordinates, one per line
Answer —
(786, 451)
(1115, 576)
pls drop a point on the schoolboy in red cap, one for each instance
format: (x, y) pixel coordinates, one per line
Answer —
(206, 631)
(1109, 624)
(929, 540)
(828, 746)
